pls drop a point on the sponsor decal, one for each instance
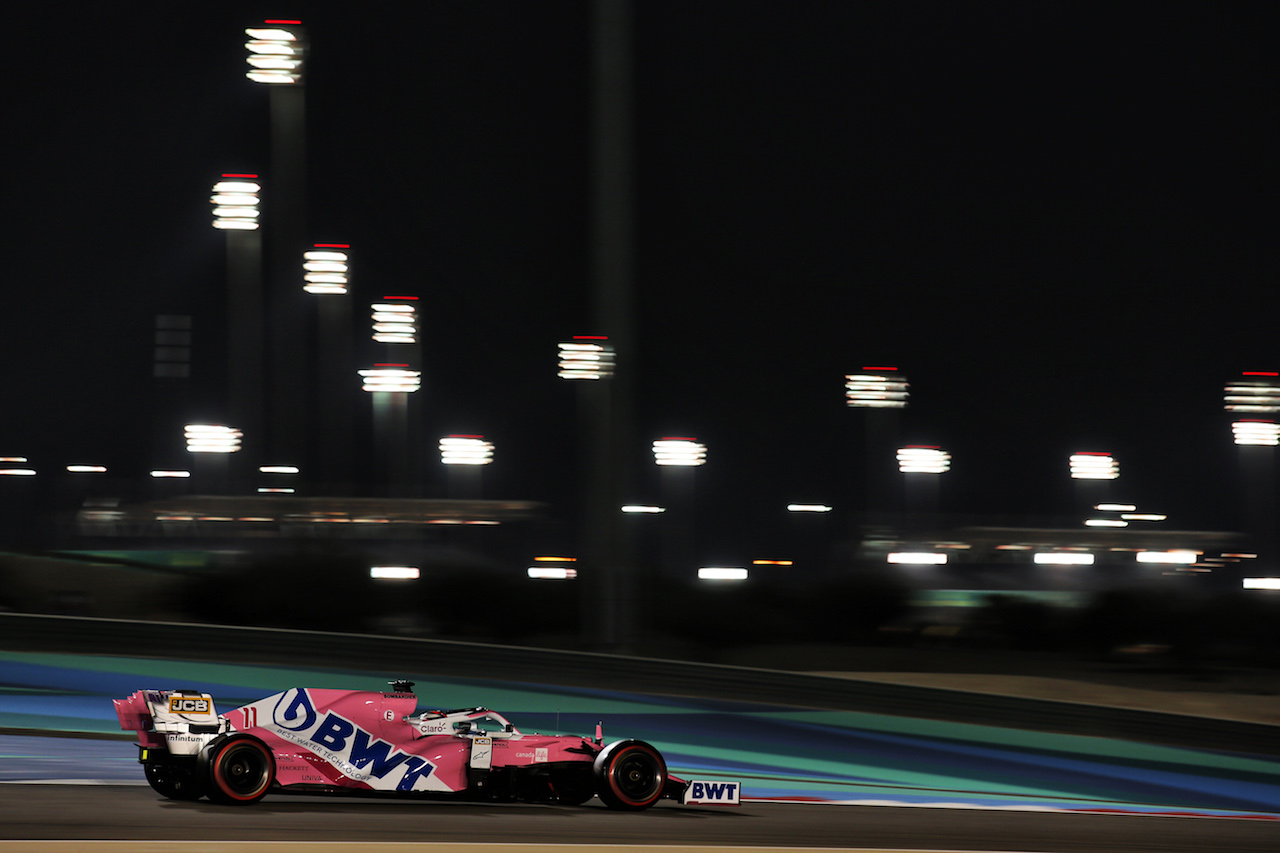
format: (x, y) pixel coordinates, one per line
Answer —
(356, 753)
(540, 754)
(712, 793)
(188, 705)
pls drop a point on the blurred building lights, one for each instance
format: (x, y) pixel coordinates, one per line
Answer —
(395, 320)
(87, 469)
(170, 473)
(407, 573)
(773, 562)
(1168, 557)
(212, 438)
(465, 450)
(586, 357)
(275, 53)
(923, 459)
(1063, 558)
(682, 452)
(1105, 522)
(808, 508)
(1256, 392)
(235, 203)
(722, 573)
(278, 469)
(17, 472)
(1256, 432)
(640, 508)
(1115, 507)
(1089, 465)
(391, 378)
(917, 558)
(1143, 516)
(324, 268)
(876, 388)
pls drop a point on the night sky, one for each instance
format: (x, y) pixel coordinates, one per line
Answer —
(1052, 216)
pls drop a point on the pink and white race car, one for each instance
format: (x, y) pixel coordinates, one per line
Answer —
(312, 740)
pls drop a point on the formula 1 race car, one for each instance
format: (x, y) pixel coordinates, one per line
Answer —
(310, 740)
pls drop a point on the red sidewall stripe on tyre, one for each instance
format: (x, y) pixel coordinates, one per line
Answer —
(221, 781)
(613, 775)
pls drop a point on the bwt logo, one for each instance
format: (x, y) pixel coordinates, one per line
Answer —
(354, 749)
(714, 792)
(180, 705)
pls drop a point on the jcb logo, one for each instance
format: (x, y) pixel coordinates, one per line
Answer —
(182, 705)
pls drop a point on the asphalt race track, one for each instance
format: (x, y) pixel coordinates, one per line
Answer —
(81, 812)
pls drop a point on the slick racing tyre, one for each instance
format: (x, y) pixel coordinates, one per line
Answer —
(630, 774)
(240, 770)
(176, 783)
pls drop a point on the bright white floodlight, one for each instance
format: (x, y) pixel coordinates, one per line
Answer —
(917, 558)
(404, 573)
(395, 320)
(683, 452)
(391, 378)
(722, 573)
(586, 357)
(465, 450)
(275, 53)
(551, 573)
(235, 202)
(1260, 583)
(1063, 558)
(1089, 465)
(876, 388)
(1256, 432)
(212, 438)
(808, 508)
(921, 459)
(324, 268)
(1256, 392)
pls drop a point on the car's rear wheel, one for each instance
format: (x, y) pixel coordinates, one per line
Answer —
(241, 770)
(630, 774)
(176, 783)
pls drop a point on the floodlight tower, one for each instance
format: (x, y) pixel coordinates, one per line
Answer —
(881, 393)
(391, 384)
(326, 276)
(921, 466)
(465, 456)
(678, 456)
(608, 602)
(276, 57)
(235, 202)
(1255, 399)
(1092, 470)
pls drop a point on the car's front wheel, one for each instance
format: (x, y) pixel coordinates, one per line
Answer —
(630, 774)
(240, 770)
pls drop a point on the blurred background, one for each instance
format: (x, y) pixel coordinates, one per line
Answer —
(669, 328)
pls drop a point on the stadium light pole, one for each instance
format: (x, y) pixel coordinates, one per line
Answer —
(677, 457)
(236, 203)
(326, 276)
(1254, 398)
(276, 56)
(921, 466)
(610, 579)
(881, 393)
(390, 385)
(465, 457)
(1092, 471)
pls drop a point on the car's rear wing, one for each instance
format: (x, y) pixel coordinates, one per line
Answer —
(178, 720)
